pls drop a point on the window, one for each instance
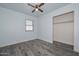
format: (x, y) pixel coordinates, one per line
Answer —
(29, 25)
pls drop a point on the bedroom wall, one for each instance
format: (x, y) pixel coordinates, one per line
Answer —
(12, 27)
(46, 24)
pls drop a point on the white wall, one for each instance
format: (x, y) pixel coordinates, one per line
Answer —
(12, 27)
(46, 26)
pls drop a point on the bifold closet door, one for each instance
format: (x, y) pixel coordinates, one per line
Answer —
(64, 28)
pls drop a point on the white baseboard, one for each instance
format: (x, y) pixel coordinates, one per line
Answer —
(14, 42)
(76, 49)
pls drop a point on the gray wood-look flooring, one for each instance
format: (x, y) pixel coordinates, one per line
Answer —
(36, 48)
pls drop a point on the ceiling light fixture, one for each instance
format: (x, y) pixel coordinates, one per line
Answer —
(36, 9)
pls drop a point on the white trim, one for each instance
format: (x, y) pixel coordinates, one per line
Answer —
(76, 49)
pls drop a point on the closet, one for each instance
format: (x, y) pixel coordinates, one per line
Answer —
(64, 28)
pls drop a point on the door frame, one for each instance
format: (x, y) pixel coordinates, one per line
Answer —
(60, 15)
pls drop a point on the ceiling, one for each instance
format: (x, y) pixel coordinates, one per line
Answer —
(24, 8)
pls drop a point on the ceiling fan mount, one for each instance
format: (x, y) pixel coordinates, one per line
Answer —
(36, 7)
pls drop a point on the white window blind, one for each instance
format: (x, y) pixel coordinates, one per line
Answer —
(29, 25)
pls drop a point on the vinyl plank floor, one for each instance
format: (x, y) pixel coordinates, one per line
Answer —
(35, 48)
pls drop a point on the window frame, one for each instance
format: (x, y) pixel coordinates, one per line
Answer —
(29, 25)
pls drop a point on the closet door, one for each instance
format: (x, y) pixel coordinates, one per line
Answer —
(64, 28)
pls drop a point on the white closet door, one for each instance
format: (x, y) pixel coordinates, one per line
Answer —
(64, 28)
